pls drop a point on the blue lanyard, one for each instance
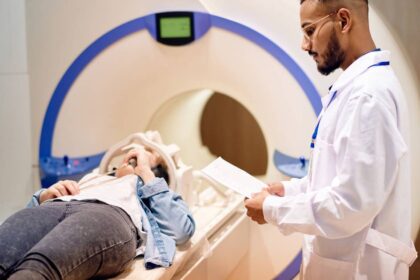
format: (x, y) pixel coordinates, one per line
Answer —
(315, 134)
(382, 63)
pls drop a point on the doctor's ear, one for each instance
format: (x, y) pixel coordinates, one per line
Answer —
(344, 17)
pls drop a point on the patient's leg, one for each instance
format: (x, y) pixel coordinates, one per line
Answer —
(27, 275)
(37, 270)
(93, 240)
(21, 231)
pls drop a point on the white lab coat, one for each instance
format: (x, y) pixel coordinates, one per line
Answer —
(354, 205)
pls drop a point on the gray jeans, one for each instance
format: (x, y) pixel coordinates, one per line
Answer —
(67, 240)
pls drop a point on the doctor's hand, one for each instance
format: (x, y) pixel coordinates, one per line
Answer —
(61, 188)
(275, 189)
(254, 207)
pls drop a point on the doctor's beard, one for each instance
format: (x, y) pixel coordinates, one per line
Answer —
(333, 57)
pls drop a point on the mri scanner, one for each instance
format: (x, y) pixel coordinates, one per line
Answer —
(111, 70)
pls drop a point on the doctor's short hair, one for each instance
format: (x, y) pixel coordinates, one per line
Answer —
(333, 1)
(335, 5)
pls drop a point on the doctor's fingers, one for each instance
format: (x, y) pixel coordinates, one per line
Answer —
(256, 200)
(249, 213)
(247, 203)
(256, 216)
(260, 220)
(276, 188)
(250, 210)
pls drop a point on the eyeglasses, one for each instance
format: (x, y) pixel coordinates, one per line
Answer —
(309, 30)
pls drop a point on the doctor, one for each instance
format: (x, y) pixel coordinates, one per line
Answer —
(353, 207)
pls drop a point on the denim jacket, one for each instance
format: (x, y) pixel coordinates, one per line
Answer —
(166, 221)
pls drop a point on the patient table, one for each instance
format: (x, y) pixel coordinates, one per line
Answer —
(221, 237)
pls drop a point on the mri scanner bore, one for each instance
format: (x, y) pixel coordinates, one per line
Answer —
(196, 25)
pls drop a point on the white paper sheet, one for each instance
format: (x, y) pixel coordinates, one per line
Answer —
(233, 177)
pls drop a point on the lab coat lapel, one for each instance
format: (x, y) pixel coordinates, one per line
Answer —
(357, 68)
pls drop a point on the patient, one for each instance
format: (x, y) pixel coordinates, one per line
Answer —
(95, 228)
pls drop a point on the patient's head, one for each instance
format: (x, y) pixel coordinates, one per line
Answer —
(142, 160)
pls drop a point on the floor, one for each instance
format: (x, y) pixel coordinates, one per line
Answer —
(415, 269)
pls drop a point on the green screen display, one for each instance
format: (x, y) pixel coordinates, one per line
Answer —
(175, 27)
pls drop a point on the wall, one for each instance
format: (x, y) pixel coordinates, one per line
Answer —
(15, 136)
(402, 18)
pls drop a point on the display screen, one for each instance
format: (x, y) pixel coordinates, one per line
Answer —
(175, 27)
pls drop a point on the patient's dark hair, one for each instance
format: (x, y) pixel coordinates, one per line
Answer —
(161, 172)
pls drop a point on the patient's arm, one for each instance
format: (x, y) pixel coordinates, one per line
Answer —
(169, 209)
(145, 160)
(60, 188)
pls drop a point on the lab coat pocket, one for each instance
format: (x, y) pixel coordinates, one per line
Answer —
(324, 164)
(324, 268)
